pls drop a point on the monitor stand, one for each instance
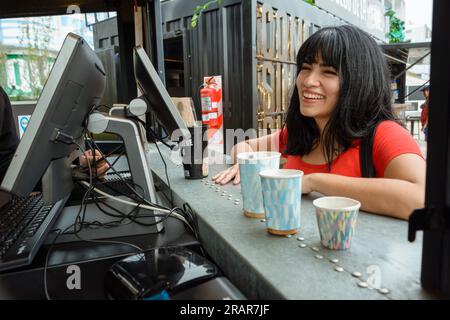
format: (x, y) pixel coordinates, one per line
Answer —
(137, 147)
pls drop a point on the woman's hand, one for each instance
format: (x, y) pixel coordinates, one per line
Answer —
(101, 166)
(227, 175)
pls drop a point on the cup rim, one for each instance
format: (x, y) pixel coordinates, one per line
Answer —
(244, 156)
(289, 173)
(355, 206)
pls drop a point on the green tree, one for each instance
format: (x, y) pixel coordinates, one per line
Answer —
(35, 40)
(396, 27)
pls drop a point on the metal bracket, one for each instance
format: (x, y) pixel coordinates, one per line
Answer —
(427, 219)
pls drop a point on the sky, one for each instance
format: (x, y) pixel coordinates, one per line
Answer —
(419, 12)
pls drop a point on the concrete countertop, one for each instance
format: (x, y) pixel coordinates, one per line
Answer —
(265, 266)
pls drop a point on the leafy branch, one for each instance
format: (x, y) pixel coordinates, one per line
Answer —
(198, 11)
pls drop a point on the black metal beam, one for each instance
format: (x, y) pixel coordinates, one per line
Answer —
(249, 65)
(435, 218)
(153, 36)
(125, 26)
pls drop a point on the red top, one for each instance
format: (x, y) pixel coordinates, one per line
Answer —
(424, 113)
(391, 140)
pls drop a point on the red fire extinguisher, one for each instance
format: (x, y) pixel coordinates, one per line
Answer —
(210, 98)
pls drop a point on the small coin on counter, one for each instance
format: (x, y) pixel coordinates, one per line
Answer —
(357, 274)
(263, 220)
(334, 260)
(318, 256)
(300, 239)
(315, 249)
(302, 245)
(383, 290)
(339, 269)
(362, 284)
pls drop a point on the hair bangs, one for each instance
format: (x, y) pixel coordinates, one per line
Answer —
(324, 47)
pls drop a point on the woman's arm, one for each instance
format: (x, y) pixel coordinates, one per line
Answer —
(265, 143)
(397, 194)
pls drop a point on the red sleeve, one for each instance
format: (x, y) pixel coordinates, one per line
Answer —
(391, 140)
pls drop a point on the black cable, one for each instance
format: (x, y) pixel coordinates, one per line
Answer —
(186, 208)
(154, 135)
(188, 217)
(134, 219)
(162, 158)
(132, 189)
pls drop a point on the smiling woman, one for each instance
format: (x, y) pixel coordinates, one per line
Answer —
(342, 97)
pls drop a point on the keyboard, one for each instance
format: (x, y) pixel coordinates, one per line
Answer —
(115, 185)
(24, 225)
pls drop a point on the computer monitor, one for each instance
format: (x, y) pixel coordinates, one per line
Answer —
(76, 83)
(155, 93)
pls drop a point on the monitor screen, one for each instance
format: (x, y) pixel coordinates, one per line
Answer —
(75, 85)
(155, 93)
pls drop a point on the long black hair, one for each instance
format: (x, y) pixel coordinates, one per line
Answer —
(364, 93)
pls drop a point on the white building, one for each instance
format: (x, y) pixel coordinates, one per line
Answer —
(418, 33)
(398, 6)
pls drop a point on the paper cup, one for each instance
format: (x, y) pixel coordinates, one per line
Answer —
(336, 218)
(250, 164)
(282, 192)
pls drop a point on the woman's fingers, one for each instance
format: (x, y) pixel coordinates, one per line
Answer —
(228, 175)
(237, 178)
(101, 166)
(102, 169)
(220, 176)
(216, 176)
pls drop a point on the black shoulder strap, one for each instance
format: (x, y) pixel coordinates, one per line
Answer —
(366, 156)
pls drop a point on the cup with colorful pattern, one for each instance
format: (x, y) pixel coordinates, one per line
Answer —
(336, 218)
(282, 193)
(250, 164)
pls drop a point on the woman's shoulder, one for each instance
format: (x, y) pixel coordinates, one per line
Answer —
(391, 140)
(392, 133)
(389, 127)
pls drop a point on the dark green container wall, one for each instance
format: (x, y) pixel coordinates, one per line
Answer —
(215, 47)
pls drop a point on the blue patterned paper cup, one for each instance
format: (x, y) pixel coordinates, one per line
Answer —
(336, 217)
(250, 164)
(282, 193)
